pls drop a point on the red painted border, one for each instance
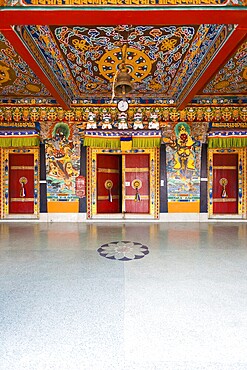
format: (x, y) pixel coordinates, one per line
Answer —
(113, 16)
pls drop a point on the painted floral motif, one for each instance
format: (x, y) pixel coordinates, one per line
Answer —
(16, 78)
(123, 250)
(232, 78)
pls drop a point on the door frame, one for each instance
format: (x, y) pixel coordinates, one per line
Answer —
(5, 181)
(241, 182)
(154, 158)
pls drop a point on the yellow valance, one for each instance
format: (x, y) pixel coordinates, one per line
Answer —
(146, 142)
(227, 139)
(6, 142)
(102, 142)
(19, 138)
(114, 139)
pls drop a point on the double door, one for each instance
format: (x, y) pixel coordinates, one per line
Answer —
(123, 183)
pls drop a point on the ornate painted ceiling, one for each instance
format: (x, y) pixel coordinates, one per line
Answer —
(173, 56)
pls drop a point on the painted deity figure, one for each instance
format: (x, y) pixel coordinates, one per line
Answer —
(153, 123)
(91, 121)
(122, 121)
(62, 161)
(69, 170)
(106, 121)
(138, 121)
(184, 156)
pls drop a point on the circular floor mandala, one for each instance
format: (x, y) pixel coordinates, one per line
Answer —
(123, 250)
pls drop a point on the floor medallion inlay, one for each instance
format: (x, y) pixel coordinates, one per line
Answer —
(123, 250)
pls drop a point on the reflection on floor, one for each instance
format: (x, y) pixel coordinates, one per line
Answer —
(181, 307)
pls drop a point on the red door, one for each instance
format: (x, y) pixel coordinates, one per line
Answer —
(225, 183)
(137, 183)
(109, 183)
(21, 183)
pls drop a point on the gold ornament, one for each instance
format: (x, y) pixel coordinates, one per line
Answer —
(223, 182)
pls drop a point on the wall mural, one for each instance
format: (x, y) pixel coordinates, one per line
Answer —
(183, 160)
(16, 78)
(62, 144)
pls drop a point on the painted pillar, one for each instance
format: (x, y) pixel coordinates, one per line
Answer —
(43, 188)
(204, 183)
(163, 180)
(83, 172)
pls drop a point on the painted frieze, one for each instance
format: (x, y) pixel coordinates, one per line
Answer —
(89, 116)
(133, 3)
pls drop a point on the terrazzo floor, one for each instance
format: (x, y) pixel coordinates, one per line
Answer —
(67, 303)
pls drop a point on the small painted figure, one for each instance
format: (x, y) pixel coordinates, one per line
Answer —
(106, 120)
(122, 121)
(138, 124)
(91, 121)
(153, 123)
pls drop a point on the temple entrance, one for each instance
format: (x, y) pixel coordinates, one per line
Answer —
(123, 184)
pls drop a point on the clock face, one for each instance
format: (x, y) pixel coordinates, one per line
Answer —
(123, 105)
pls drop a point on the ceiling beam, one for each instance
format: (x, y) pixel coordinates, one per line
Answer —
(224, 54)
(24, 53)
(149, 15)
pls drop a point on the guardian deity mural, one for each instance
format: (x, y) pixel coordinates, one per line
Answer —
(62, 161)
(183, 166)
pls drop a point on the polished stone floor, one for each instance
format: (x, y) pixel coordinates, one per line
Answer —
(67, 303)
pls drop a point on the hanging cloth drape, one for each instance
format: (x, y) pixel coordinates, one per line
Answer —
(102, 142)
(227, 139)
(146, 142)
(19, 138)
(116, 139)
